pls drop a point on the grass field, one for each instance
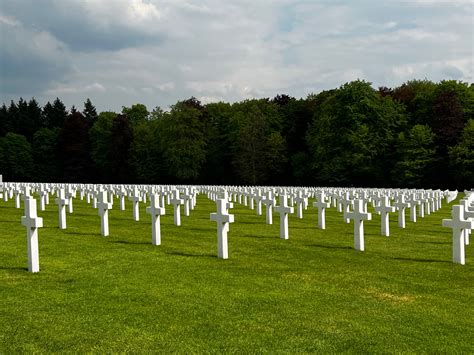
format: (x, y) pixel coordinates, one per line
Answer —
(311, 293)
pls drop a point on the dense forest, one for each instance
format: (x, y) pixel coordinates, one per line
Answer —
(420, 134)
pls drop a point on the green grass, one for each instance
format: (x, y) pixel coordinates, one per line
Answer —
(311, 293)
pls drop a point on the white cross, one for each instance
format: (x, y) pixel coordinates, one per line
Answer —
(458, 224)
(104, 208)
(176, 202)
(69, 196)
(135, 198)
(421, 211)
(384, 209)
(401, 205)
(414, 202)
(469, 215)
(300, 199)
(17, 197)
(346, 203)
(251, 201)
(321, 205)
(43, 192)
(155, 211)
(269, 203)
(187, 199)
(223, 219)
(359, 216)
(284, 210)
(121, 194)
(32, 222)
(258, 198)
(62, 202)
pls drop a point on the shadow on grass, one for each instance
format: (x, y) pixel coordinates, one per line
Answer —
(199, 229)
(247, 222)
(330, 246)
(422, 260)
(82, 233)
(13, 268)
(429, 242)
(129, 242)
(190, 255)
(258, 236)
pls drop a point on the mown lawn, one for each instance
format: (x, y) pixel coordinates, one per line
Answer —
(311, 293)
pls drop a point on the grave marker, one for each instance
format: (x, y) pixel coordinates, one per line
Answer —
(32, 222)
(155, 211)
(458, 224)
(223, 219)
(359, 216)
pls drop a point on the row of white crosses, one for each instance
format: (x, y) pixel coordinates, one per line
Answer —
(100, 199)
(344, 199)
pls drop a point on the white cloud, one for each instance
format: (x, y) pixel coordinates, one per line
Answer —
(9, 20)
(63, 89)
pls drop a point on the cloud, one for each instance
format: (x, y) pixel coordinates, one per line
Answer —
(156, 52)
(61, 89)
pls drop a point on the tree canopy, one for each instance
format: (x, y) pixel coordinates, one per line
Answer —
(419, 134)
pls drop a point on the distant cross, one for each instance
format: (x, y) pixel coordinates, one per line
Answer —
(458, 224)
(359, 215)
(223, 218)
(32, 222)
(156, 212)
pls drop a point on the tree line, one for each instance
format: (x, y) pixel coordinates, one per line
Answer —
(420, 134)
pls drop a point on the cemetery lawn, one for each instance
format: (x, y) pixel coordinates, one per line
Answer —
(311, 293)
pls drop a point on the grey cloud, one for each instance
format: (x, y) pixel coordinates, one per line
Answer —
(73, 23)
(29, 61)
(120, 52)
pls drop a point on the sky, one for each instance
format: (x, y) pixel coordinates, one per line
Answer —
(157, 52)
